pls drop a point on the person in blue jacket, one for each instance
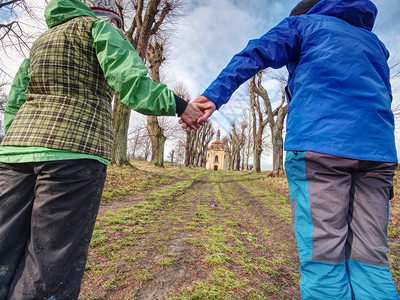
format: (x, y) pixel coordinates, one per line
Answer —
(340, 145)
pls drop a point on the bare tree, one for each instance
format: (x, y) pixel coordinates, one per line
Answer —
(234, 144)
(14, 36)
(137, 137)
(240, 139)
(192, 138)
(155, 57)
(227, 142)
(189, 146)
(11, 33)
(143, 149)
(171, 127)
(149, 16)
(275, 119)
(206, 134)
(180, 152)
(247, 149)
(259, 123)
(197, 143)
(171, 156)
(135, 140)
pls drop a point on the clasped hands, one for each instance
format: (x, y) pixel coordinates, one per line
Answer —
(197, 113)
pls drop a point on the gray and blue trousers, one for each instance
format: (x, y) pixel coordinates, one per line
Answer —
(340, 212)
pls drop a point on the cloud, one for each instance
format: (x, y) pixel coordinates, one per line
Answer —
(387, 25)
(215, 30)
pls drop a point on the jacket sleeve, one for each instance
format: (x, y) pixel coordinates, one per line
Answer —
(16, 97)
(126, 73)
(275, 49)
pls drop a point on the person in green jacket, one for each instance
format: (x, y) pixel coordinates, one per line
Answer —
(58, 143)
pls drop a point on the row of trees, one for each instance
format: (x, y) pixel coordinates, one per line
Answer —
(245, 142)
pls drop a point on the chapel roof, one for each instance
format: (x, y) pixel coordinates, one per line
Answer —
(217, 144)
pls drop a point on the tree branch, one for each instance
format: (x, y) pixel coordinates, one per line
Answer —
(165, 11)
(7, 28)
(262, 92)
(9, 2)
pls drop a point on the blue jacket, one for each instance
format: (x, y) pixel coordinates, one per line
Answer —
(338, 79)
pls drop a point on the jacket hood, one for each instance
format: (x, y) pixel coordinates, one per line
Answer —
(60, 11)
(360, 13)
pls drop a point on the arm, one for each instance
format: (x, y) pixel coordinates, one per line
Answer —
(16, 96)
(126, 73)
(275, 49)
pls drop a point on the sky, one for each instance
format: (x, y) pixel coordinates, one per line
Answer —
(217, 29)
(212, 31)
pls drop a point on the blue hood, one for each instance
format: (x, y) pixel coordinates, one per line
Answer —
(360, 13)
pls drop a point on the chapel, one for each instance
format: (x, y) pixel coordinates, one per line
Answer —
(217, 155)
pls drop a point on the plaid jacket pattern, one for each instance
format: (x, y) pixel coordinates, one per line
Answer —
(68, 101)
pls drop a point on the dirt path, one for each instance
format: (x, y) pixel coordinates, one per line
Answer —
(218, 236)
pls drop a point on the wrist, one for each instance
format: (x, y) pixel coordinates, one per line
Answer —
(181, 105)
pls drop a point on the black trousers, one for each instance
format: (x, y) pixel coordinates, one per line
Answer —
(47, 215)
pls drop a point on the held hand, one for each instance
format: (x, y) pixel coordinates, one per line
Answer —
(206, 106)
(191, 114)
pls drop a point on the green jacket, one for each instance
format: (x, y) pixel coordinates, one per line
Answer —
(122, 67)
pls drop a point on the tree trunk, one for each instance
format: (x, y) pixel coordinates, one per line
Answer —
(277, 141)
(146, 152)
(277, 149)
(120, 122)
(156, 133)
(189, 147)
(157, 141)
(258, 127)
(257, 152)
(238, 161)
(194, 148)
(160, 158)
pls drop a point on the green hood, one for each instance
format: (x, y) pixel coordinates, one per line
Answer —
(60, 11)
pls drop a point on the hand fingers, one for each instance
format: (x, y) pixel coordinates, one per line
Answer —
(194, 126)
(202, 99)
(204, 106)
(204, 117)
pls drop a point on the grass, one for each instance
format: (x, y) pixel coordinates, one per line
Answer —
(173, 233)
